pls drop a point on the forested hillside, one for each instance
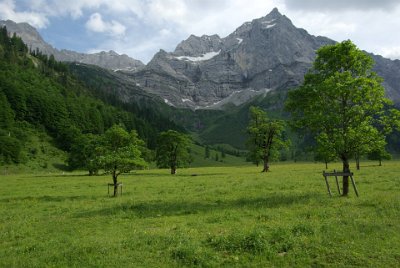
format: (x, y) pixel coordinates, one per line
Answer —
(40, 95)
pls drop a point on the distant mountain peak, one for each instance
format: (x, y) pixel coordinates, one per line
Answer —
(265, 54)
(275, 12)
(109, 60)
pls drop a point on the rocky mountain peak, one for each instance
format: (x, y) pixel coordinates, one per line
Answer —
(196, 46)
(266, 54)
(109, 60)
(275, 12)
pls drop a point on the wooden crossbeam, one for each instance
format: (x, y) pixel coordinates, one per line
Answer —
(326, 174)
(336, 174)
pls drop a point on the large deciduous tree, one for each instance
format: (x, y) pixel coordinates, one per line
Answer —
(265, 137)
(341, 102)
(120, 153)
(173, 150)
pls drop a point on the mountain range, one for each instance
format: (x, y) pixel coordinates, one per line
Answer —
(109, 60)
(210, 72)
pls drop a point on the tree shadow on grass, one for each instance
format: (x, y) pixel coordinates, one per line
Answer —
(170, 176)
(60, 176)
(163, 209)
(47, 198)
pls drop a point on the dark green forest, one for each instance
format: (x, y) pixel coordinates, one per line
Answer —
(41, 95)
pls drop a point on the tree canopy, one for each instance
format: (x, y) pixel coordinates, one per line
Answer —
(173, 150)
(265, 137)
(341, 102)
(119, 152)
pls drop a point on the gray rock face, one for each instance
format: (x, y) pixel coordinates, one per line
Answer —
(389, 70)
(109, 60)
(269, 53)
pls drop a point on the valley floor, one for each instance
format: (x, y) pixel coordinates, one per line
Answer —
(222, 216)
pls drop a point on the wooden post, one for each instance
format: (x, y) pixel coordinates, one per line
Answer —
(337, 182)
(327, 183)
(354, 185)
(336, 174)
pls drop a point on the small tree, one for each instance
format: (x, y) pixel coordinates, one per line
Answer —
(324, 153)
(120, 153)
(341, 102)
(265, 137)
(379, 154)
(84, 153)
(173, 150)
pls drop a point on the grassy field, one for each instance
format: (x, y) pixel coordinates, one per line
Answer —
(219, 216)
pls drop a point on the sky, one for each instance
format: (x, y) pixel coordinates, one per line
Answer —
(140, 28)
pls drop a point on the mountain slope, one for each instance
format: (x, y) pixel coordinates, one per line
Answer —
(266, 54)
(109, 60)
(43, 103)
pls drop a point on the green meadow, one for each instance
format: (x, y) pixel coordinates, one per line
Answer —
(206, 217)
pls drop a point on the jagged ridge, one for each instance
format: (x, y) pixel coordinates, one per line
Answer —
(268, 53)
(109, 60)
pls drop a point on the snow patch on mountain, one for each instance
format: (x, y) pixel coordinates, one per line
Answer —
(269, 26)
(203, 57)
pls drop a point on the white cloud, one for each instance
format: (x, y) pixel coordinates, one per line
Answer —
(325, 25)
(97, 24)
(340, 5)
(145, 26)
(7, 11)
(390, 52)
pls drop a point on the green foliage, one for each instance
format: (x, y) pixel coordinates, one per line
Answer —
(173, 150)
(341, 102)
(206, 151)
(265, 137)
(379, 154)
(10, 150)
(324, 153)
(119, 152)
(38, 90)
(6, 113)
(84, 153)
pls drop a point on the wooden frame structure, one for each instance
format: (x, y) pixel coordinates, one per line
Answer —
(336, 174)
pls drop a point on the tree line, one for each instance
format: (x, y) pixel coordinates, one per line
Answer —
(38, 92)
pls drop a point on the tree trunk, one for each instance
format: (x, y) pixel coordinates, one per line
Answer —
(358, 163)
(115, 183)
(326, 164)
(173, 170)
(266, 164)
(380, 162)
(346, 169)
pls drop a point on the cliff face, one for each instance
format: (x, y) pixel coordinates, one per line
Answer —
(265, 54)
(109, 60)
